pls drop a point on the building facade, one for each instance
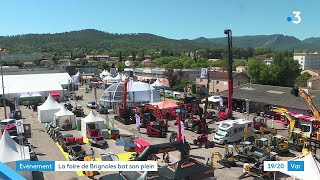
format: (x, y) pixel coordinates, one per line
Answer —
(314, 83)
(219, 81)
(20, 57)
(307, 60)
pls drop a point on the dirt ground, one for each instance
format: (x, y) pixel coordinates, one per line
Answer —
(46, 149)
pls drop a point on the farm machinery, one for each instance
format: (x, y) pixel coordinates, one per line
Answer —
(125, 114)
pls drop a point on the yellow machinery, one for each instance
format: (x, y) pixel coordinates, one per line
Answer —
(297, 139)
(227, 160)
(280, 143)
(310, 131)
(259, 142)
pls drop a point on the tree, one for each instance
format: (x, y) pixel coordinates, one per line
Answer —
(302, 79)
(181, 86)
(174, 77)
(120, 66)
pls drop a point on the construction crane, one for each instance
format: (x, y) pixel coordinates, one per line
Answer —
(313, 132)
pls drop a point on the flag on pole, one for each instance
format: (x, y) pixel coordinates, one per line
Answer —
(182, 131)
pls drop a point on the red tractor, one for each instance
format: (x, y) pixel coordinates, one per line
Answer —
(203, 140)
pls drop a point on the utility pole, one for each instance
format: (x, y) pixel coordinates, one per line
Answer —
(228, 32)
(3, 96)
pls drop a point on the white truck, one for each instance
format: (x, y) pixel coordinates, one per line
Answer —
(231, 131)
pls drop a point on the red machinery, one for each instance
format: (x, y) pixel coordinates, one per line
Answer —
(125, 115)
(92, 130)
(222, 113)
(258, 123)
(203, 140)
(148, 113)
(156, 129)
(195, 125)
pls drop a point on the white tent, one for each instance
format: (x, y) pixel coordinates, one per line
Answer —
(311, 168)
(10, 151)
(104, 73)
(214, 99)
(91, 119)
(158, 83)
(118, 77)
(36, 95)
(47, 109)
(64, 118)
(124, 77)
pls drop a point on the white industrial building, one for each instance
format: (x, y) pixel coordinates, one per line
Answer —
(28, 84)
(307, 60)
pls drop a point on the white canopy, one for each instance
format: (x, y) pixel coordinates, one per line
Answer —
(92, 117)
(108, 78)
(105, 73)
(78, 74)
(36, 95)
(24, 96)
(214, 99)
(311, 168)
(124, 77)
(10, 151)
(118, 77)
(158, 83)
(63, 112)
(50, 103)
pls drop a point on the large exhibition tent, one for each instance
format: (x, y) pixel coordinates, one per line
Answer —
(311, 168)
(47, 110)
(43, 84)
(64, 119)
(91, 121)
(137, 93)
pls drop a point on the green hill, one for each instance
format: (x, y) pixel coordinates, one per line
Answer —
(88, 41)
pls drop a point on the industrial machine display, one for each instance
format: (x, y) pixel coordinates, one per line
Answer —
(98, 141)
(66, 140)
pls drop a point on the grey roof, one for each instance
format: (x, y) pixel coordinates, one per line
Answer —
(273, 95)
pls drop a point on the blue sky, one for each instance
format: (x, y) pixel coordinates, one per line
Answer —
(177, 19)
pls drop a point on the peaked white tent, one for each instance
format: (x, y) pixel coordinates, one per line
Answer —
(158, 83)
(118, 77)
(311, 168)
(47, 109)
(10, 151)
(124, 77)
(104, 73)
(91, 121)
(64, 119)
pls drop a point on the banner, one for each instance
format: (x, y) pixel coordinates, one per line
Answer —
(182, 131)
(86, 166)
(137, 120)
(221, 102)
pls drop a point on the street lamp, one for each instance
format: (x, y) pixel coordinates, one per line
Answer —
(228, 32)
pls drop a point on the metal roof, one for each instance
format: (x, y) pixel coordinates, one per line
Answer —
(272, 95)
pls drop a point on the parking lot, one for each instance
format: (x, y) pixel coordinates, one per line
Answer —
(47, 149)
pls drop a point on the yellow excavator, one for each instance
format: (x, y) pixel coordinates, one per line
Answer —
(279, 143)
(310, 130)
(228, 160)
(297, 139)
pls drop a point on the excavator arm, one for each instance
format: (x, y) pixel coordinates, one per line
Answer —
(308, 98)
(264, 129)
(246, 132)
(290, 119)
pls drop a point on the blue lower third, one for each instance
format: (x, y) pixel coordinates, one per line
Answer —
(295, 165)
(35, 166)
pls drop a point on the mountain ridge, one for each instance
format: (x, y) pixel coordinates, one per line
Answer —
(94, 40)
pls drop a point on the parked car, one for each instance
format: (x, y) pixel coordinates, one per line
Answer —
(78, 111)
(92, 105)
(76, 153)
(103, 110)
(6, 122)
